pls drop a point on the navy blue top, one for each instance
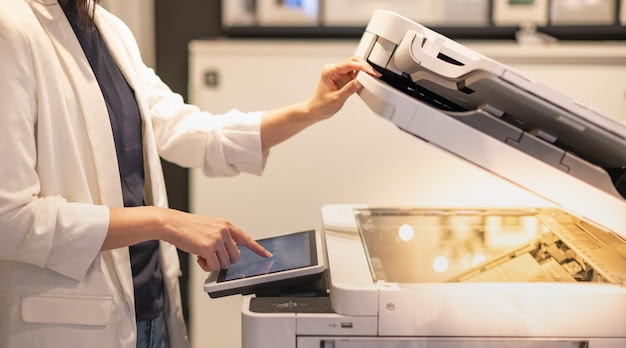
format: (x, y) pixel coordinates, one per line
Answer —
(127, 133)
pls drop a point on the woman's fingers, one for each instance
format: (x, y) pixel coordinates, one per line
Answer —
(223, 257)
(213, 240)
(225, 251)
(243, 239)
(352, 64)
(338, 75)
(230, 247)
(225, 248)
(203, 264)
(209, 262)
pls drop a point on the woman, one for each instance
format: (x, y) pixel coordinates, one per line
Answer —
(88, 254)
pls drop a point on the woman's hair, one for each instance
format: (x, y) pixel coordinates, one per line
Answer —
(85, 9)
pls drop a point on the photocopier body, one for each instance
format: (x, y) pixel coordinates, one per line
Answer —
(470, 277)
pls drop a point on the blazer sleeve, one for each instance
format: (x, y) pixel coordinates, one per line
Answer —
(220, 145)
(44, 231)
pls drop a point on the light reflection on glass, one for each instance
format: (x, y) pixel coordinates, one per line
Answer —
(431, 245)
(481, 245)
(405, 232)
(478, 259)
(440, 264)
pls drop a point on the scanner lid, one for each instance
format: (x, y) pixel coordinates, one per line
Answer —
(495, 117)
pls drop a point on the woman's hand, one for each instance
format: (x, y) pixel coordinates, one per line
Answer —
(213, 240)
(336, 84)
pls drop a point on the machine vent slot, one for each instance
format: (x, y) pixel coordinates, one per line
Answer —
(449, 59)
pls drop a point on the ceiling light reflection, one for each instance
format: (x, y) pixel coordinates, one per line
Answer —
(478, 259)
(406, 233)
(440, 264)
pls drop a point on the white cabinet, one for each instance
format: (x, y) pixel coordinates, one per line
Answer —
(355, 157)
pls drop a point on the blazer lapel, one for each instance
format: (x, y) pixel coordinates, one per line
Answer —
(89, 96)
(98, 124)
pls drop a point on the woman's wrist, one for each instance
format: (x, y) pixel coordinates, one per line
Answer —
(281, 124)
(302, 113)
(313, 112)
(160, 222)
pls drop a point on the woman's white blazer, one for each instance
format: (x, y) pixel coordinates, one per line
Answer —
(59, 176)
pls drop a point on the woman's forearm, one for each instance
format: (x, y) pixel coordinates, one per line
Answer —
(281, 124)
(128, 226)
(213, 240)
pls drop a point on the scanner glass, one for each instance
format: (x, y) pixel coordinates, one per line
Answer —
(491, 245)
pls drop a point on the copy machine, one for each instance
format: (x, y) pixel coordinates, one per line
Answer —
(476, 277)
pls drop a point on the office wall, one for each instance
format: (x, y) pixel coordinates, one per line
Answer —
(137, 14)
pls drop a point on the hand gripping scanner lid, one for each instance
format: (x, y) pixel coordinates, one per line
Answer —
(496, 118)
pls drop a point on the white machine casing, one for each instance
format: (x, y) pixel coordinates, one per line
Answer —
(370, 313)
(402, 46)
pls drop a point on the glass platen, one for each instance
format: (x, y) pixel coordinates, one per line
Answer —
(491, 245)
